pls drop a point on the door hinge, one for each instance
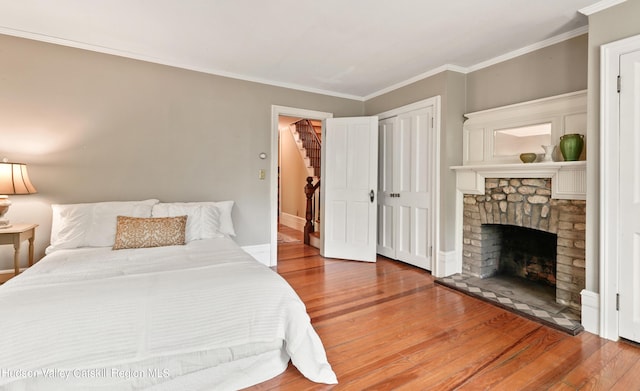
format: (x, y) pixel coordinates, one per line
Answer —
(431, 250)
(617, 302)
(619, 83)
(432, 123)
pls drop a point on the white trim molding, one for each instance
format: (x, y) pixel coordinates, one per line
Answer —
(422, 76)
(292, 221)
(531, 48)
(590, 311)
(171, 62)
(433, 101)
(447, 263)
(212, 71)
(599, 6)
(484, 64)
(609, 256)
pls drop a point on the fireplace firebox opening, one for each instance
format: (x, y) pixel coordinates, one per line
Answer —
(526, 253)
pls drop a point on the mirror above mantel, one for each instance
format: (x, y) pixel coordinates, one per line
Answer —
(511, 142)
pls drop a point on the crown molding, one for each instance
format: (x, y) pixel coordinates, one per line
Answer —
(496, 60)
(169, 62)
(531, 48)
(599, 6)
(435, 71)
(432, 72)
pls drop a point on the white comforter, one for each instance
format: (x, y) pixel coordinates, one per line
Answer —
(201, 315)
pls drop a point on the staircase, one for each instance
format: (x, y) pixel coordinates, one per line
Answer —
(308, 134)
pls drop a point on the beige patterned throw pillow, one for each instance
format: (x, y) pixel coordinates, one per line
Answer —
(139, 232)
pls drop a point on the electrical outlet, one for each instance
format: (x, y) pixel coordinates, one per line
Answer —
(261, 174)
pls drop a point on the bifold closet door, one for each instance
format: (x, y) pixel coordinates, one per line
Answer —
(413, 183)
(386, 200)
(405, 185)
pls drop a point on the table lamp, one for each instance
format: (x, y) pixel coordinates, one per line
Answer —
(14, 179)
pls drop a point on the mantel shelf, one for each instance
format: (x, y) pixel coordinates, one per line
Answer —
(568, 179)
(521, 167)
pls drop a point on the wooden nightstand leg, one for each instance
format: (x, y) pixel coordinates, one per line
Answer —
(16, 258)
(31, 240)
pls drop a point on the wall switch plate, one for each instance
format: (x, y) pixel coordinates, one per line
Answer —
(261, 174)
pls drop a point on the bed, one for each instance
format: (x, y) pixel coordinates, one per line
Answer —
(200, 315)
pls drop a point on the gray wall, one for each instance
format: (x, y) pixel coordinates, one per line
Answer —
(615, 23)
(95, 127)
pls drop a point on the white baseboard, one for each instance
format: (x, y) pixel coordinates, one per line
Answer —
(590, 311)
(261, 252)
(447, 264)
(292, 221)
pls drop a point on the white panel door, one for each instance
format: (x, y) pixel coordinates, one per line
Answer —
(629, 245)
(413, 183)
(387, 202)
(349, 177)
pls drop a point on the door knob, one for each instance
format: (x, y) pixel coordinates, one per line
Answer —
(371, 195)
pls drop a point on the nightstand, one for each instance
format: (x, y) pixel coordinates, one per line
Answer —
(15, 235)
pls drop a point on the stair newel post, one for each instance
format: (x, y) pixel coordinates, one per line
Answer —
(309, 189)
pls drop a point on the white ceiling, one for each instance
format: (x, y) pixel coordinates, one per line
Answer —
(351, 48)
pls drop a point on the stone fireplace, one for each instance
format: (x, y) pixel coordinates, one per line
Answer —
(498, 195)
(493, 244)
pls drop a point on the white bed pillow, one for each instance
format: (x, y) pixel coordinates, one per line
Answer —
(226, 222)
(91, 224)
(203, 218)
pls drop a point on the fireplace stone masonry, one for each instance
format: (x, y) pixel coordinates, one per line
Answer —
(526, 203)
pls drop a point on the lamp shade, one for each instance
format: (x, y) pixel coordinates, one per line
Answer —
(14, 179)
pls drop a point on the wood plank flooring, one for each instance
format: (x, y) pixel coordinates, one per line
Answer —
(387, 326)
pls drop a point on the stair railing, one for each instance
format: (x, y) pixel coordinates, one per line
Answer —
(312, 213)
(310, 142)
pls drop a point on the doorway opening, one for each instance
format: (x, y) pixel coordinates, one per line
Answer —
(289, 217)
(298, 160)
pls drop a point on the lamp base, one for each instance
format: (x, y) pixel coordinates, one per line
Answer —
(4, 222)
(4, 207)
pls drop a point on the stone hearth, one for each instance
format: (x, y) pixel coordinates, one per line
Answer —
(526, 203)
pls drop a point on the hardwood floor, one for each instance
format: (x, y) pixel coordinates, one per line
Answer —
(387, 326)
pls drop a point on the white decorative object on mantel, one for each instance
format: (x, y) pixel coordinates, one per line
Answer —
(568, 179)
(548, 152)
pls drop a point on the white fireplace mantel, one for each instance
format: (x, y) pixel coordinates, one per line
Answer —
(568, 179)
